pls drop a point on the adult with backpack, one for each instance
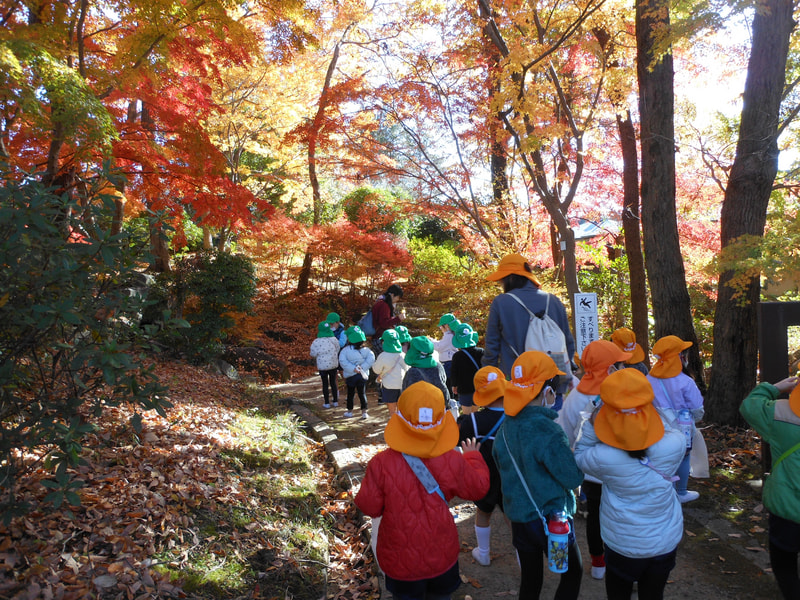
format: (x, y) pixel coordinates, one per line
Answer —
(522, 306)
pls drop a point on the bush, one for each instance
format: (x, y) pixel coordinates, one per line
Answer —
(67, 330)
(205, 289)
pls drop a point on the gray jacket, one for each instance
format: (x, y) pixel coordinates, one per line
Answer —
(508, 325)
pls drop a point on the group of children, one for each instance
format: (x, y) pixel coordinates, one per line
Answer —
(448, 363)
(543, 457)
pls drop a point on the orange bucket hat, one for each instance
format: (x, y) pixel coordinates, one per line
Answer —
(597, 357)
(668, 352)
(529, 373)
(627, 418)
(490, 384)
(794, 400)
(625, 339)
(421, 426)
(513, 264)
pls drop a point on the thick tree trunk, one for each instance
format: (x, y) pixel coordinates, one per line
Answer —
(159, 246)
(665, 271)
(632, 232)
(744, 209)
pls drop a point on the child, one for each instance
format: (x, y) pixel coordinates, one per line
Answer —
(409, 486)
(778, 424)
(598, 361)
(356, 360)
(489, 385)
(466, 363)
(424, 367)
(631, 448)
(444, 347)
(625, 339)
(335, 322)
(404, 336)
(325, 348)
(390, 366)
(537, 472)
(674, 391)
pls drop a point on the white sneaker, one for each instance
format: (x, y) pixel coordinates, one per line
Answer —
(688, 497)
(598, 572)
(480, 557)
(326, 405)
(348, 414)
(364, 415)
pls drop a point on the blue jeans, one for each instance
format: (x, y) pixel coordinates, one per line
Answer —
(683, 472)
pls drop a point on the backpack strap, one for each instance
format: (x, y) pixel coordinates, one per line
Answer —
(528, 310)
(524, 483)
(493, 430)
(474, 362)
(425, 477)
(784, 455)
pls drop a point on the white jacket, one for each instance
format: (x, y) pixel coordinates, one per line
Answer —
(576, 409)
(444, 347)
(326, 351)
(640, 516)
(350, 358)
(390, 367)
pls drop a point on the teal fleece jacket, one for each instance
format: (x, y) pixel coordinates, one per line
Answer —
(542, 453)
(777, 424)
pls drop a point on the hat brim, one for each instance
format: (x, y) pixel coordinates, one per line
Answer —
(503, 273)
(424, 444)
(621, 430)
(489, 393)
(516, 398)
(637, 356)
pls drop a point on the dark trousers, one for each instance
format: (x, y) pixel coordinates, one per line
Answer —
(594, 492)
(437, 588)
(530, 540)
(651, 575)
(359, 387)
(784, 544)
(329, 387)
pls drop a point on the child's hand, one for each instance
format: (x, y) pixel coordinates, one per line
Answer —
(788, 384)
(470, 445)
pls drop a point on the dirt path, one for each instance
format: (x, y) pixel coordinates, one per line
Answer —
(715, 561)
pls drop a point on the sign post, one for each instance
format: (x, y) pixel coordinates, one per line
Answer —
(585, 320)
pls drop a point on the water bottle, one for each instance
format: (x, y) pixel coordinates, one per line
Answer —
(685, 423)
(557, 542)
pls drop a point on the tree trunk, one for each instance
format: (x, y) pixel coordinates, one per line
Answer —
(665, 270)
(744, 209)
(159, 246)
(632, 233)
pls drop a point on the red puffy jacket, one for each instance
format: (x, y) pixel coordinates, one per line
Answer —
(417, 537)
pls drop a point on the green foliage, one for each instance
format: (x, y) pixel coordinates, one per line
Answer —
(206, 289)
(68, 325)
(434, 261)
(374, 209)
(434, 229)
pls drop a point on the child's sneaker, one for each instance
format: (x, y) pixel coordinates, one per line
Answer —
(364, 415)
(335, 405)
(326, 405)
(480, 558)
(348, 414)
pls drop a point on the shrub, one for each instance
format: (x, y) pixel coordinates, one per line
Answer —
(67, 325)
(205, 289)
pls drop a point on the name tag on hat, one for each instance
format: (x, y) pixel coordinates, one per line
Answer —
(425, 415)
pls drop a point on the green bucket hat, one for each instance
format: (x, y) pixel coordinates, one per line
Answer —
(333, 318)
(324, 330)
(464, 336)
(402, 334)
(355, 334)
(420, 353)
(448, 319)
(391, 342)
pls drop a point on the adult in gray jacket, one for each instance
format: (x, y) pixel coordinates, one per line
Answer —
(508, 321)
